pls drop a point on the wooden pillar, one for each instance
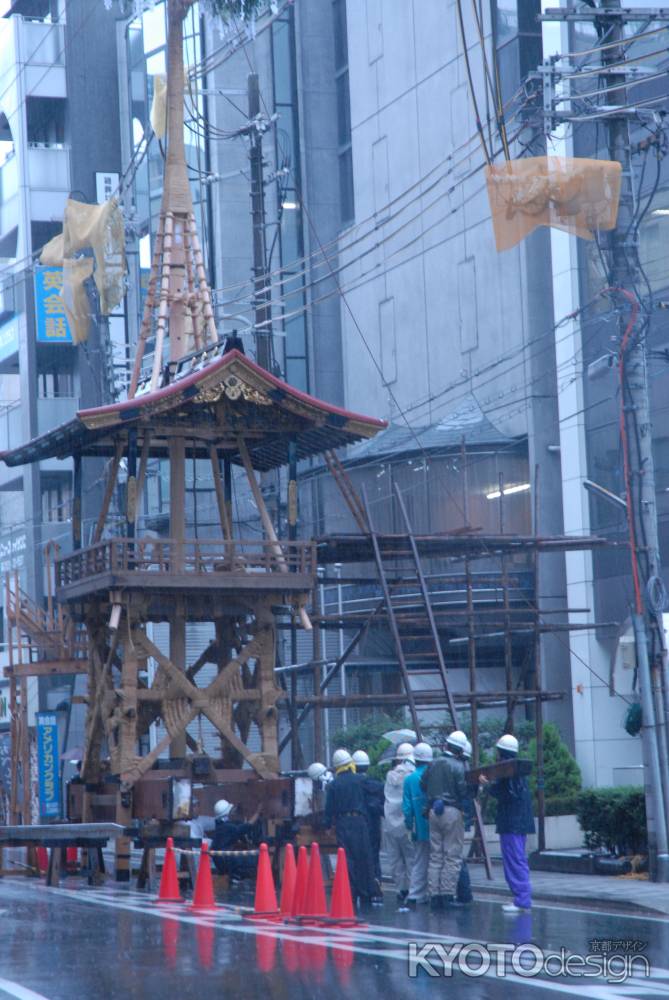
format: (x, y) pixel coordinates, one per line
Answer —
(25, 753)
(177, 451)
(317, 656)
(268, 716)
(471, 626)
(127, 740)
(508, 642)
(76, 504)
(292, 500)
(131, 485)
(227, 487)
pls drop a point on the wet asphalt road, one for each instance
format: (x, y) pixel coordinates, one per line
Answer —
(94, 944)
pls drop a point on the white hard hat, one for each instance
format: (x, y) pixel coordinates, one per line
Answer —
(361, 759)
(222, 809)
(507, 742)
(404, 752)
(316, 770)
(467, 752)
(457, 739)
(340, 758)
(423, 753)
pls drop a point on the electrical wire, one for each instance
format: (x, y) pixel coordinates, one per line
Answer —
(472, 92)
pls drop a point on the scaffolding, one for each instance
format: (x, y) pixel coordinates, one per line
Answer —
(430, 615)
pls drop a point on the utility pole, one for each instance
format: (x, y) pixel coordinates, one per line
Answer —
(262, 297)
(642, 511)
(636, 428)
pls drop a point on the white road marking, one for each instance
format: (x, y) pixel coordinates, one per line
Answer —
(356, 940)
(18, 991)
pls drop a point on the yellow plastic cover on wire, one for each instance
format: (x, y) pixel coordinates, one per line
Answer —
(75, 299)
(99, 227)
(579, 196)
(159, 105)
(96, 227)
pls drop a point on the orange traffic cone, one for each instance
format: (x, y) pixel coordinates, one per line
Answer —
(265, 902)
(169, 882)
(203, 896)
(301, 877)
(314, 902)
(288, 881)
(341, 908)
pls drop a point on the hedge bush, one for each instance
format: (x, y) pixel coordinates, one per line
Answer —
(613, 818)
(367, 735)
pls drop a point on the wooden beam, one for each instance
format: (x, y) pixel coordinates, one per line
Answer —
(220, 493)
(48, 668)
(109, 491)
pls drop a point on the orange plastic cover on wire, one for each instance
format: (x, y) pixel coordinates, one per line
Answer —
(578, 195)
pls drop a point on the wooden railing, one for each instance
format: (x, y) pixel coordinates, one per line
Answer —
(190, 556)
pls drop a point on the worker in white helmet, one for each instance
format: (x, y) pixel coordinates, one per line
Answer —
(515, 819)
(375, 801)
(445, 788)
(230, 834)
(398, 843)
(346, 810)
(415, 819)
(463, 892)
(319, 774)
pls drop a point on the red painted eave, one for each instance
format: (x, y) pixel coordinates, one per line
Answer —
(179, 385)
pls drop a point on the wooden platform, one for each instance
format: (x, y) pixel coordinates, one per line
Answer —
(190, 566)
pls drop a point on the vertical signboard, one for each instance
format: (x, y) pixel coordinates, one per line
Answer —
(47, 765)
(50, 319)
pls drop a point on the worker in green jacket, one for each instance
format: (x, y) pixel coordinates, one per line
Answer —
(414, 807)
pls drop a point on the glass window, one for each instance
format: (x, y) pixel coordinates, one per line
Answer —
(282, 56)
(343, 110)
(507, 20)
(290, 231)
(296, 373)
(346, 186)
(340, 34)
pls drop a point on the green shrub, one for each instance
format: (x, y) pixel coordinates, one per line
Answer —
(613, 818)
(562, 775)
(562, 805)
(367, 735)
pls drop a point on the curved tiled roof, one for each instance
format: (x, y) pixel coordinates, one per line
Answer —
(278, 412)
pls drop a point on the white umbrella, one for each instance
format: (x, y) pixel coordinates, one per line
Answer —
(397, 736)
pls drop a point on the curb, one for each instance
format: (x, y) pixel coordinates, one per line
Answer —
(618, 906)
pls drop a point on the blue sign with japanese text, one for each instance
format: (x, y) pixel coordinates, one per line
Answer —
(50, 319)
(48, 765)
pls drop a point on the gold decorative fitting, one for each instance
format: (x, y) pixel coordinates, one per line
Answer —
(232, 387)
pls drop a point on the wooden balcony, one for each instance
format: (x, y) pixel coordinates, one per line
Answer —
(189, 565)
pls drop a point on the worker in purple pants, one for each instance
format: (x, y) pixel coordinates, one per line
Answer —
(515, 819)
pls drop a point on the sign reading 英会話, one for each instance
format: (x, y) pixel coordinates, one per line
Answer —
(47, 765)
(50, 319)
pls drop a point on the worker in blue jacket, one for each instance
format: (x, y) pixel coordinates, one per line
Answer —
(515, 820)
(414, 807)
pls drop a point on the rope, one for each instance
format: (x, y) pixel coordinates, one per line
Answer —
(218, 854)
